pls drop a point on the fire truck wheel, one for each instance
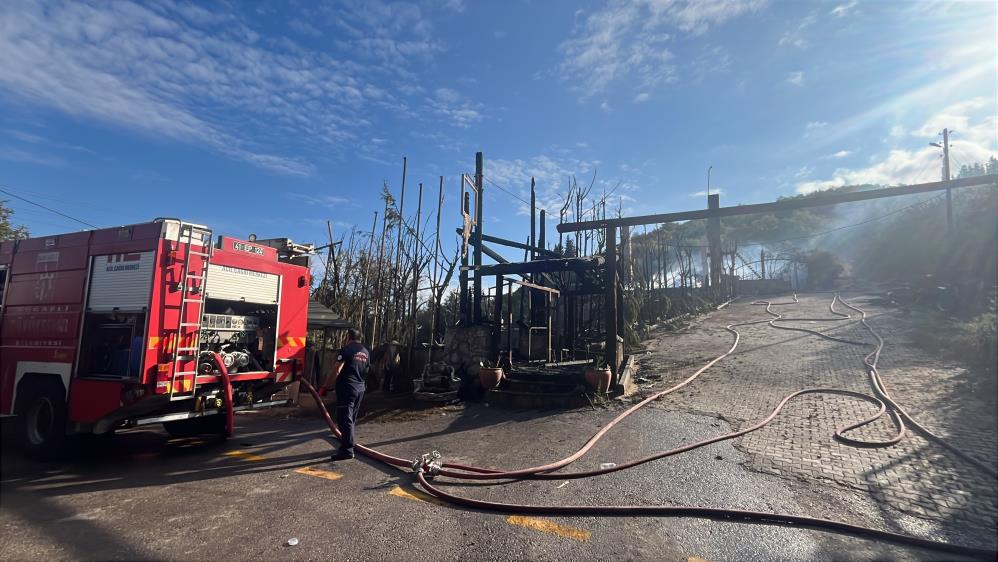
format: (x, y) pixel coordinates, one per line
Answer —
(41, 418)
(190, 427)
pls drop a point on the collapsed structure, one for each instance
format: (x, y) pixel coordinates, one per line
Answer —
(560, 309)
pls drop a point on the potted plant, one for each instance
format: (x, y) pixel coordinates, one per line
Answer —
(598, 378)
(489, 376)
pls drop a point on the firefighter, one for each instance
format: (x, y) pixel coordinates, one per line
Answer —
(348, 380)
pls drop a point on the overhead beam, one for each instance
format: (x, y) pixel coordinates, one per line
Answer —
(538, 287)
(513, 244)
(540, 266)
(785, 205)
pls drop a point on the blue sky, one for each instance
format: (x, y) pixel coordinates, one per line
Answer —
(272, 117)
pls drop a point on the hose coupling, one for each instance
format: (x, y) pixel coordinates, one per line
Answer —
(428, 463)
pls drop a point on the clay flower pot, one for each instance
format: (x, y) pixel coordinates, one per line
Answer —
(598, 379)
(490, 376)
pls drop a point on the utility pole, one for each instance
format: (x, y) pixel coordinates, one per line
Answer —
(949, 192)
(946, 177)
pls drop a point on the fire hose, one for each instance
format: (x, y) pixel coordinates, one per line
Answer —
(227, 387)
(429, 465)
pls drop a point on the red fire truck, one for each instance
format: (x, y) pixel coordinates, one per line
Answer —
(134, 325)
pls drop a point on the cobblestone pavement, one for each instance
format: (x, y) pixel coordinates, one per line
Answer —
(915, 477)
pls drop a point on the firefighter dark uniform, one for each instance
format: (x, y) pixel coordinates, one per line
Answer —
(349, 393)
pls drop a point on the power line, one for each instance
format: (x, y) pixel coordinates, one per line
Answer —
(874, 219)
(51, 210)
(508, 192)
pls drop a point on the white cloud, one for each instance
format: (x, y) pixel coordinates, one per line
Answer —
(843, 10)
(840, 154)
(919, 101)
(898, 167)
(330, 201)
(29, 157)
(795, 35)
(796, 78)
(955, 117)
(552, 178)
(814, 127)
(304, 28)
(451, 105)
(627, 41)
(977, 142)
(184, 73)
(642, 97)
(713, 191)
(711, 60)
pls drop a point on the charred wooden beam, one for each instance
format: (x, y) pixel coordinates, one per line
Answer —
(541, 266)
(785, 205)
(537, 287)
(512, 244)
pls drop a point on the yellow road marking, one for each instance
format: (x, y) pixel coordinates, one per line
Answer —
(696, 559)
(319, 473)
(244, 455)
(550, 527)
(414, 495)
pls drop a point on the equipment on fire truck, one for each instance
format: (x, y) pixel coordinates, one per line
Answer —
(232, 336)
(124, 327)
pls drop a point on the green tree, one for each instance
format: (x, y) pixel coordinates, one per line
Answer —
(988, 168)
(7, 230)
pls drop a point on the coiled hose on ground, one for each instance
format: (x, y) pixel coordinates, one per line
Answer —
(883, 400)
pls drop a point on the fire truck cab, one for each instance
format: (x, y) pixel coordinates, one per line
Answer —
(129, 326)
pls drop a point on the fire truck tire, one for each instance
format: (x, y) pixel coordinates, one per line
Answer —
(190, 427)
(41, 418)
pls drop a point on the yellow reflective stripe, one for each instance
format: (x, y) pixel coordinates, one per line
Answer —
(291, 341)
(549, 527)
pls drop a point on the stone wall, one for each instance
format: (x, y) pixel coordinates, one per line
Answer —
(466, 346)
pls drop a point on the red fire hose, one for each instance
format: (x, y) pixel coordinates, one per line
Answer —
(883, 401)
(227, 385)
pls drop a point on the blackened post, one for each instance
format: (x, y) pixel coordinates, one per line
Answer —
(509, 324)
(547, 300)
(479, 215)
(714, 241)
(497, 324)
(540, 239)
(532, 296)
(533, 218)
(463, 276)
(610, 302)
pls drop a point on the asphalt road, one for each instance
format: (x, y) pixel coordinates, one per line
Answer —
(142, 495)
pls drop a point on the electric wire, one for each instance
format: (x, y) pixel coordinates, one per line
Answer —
(861, 223)
(51, 210)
